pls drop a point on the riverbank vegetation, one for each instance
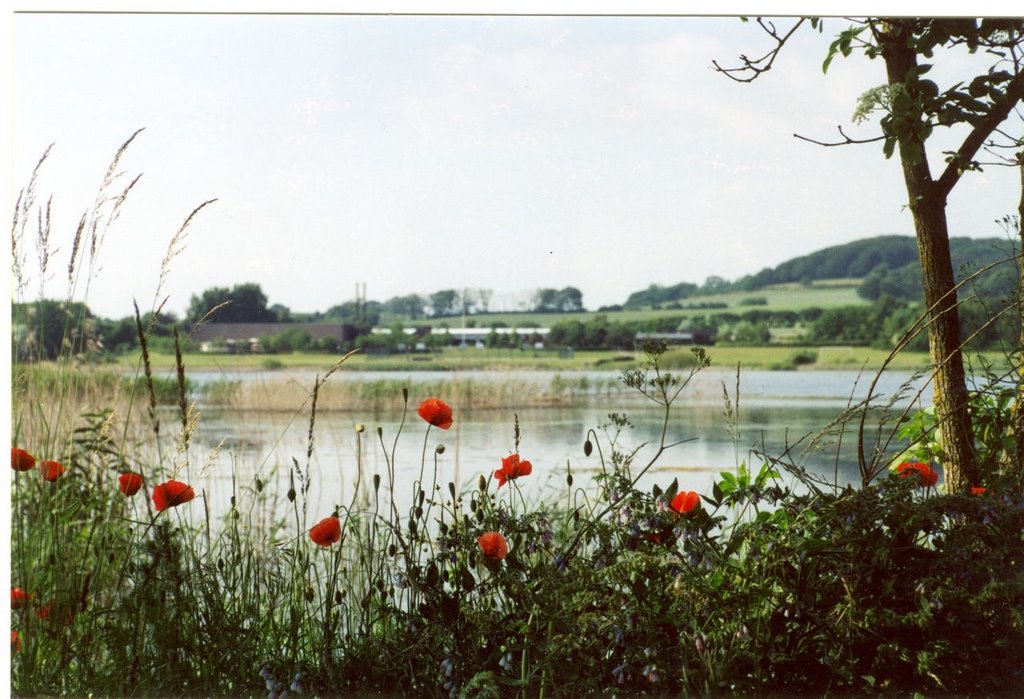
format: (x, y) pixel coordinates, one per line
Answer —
(775, 580)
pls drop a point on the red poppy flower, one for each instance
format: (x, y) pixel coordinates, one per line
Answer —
(493, 545)
(52, 470)
(15, 642)
(326, 532)
(21, 460)
(685, 502)
(20, 598)
(129, 483)
(927, 476)
(171, 494)
(436, 412)
(512, 468)
(978, 490)
(663, 537)
(63, 613)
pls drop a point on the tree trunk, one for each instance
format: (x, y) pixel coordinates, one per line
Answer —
(1018, 423)
(927, 203)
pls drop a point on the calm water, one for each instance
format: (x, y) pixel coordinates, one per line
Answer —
(776, 409)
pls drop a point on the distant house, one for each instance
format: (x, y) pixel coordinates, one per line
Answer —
(475, 337)
(682, 337)
(250, 337)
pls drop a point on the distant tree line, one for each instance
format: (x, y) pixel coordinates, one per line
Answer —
(881, 324)
(45, 330)
(246, 303)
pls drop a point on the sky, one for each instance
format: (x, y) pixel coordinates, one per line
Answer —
(419, 153)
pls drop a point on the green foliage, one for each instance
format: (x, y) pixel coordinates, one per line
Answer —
(243, 303)
(49, 329)
(567, 300)
(992, 405)
(656, 295)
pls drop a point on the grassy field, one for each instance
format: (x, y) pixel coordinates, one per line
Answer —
(454, 359)
(781, 297)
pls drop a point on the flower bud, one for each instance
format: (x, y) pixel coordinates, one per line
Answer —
(360, 428)
(439, 449)
(588, 448)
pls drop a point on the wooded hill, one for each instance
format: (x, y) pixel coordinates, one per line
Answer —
(888, 264)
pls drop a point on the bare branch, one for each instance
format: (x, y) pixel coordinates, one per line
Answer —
(752, 68)
(847, 141)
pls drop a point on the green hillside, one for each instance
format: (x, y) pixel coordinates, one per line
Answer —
(888, 264)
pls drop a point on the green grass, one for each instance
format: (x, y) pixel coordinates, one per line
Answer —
(453, 359)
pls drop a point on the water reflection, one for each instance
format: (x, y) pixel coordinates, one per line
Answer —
(777, 410)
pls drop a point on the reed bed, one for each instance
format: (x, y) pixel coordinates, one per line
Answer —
(281, 393)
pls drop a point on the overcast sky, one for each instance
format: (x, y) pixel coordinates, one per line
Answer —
(421, 153)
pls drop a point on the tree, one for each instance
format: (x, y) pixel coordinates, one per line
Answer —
(364, 315)
(570, 300)
(714, 285)
(48, 329)
(545, 300)
(910, 107)
(244, 303)
(281, 313)
(444, 303)
(410, 306)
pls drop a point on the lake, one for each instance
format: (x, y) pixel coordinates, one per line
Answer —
(776, 409)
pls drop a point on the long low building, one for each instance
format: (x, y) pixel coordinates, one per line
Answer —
(469, 334)
(248, 337)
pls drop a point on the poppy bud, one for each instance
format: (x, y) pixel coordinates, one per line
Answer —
(412, 526)
(451, 488)
(360, 428)
(259, 485)
(443, 528)
(479, 515)
(376, 482)
(220, 564)
(481, 483)
(472, 505)
(310, 594)
(439, 449)
(234, 514)
(380, 585)
(588, 448)
(380, 432)
(392, 550)
(421, 496)
(419, 512)
(291, 495)
(232, 501)
(405, 394)
(339, 596)
(568, 479)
